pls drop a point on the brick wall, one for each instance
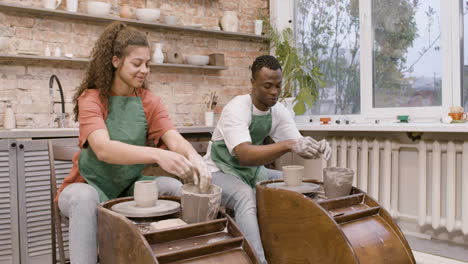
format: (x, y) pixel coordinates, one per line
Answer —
(25, 83)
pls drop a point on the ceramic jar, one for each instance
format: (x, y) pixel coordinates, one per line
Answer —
(51, 4)
(158, 56)
(126, 12)
(229, 21)
(174, 56)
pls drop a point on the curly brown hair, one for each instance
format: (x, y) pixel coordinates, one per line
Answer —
(114, 41)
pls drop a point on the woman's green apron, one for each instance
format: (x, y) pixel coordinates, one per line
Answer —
(259, 129)
(126, 122)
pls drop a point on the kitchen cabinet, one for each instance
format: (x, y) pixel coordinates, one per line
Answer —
(25, 232)
(9, 232)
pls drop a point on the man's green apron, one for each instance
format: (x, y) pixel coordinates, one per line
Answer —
(259, 129)
(126, 122)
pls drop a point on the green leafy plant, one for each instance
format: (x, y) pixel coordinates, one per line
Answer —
(300, 79)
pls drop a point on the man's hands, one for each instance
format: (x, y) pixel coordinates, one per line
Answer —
(306, 147)
(325, 149)
(309, 148)
(201, 172)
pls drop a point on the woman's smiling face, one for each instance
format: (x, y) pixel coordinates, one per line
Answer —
(134, 68)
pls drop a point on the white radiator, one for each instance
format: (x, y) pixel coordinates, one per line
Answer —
(377, 166)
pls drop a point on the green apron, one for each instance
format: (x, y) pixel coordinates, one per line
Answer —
(126, 122)
(259, 129)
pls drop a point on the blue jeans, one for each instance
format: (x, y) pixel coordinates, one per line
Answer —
(78, 201)
(240, 197)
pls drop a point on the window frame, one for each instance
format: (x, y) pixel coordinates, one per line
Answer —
(451, 15)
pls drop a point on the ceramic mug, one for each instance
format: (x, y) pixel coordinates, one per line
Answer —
(145, 193)
(170, 20)
(293, 175)
(458, 116)
(51, 4)
(258, 27)
(209, 119)
(337, 182)
(72, 5)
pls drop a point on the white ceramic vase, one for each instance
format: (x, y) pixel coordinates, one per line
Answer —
(9, 121)
(158, 56)
(229, 21)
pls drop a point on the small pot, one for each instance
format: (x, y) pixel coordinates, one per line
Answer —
(325, 120)
(126, 12)
(174, 56)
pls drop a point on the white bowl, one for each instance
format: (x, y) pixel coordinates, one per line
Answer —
(97, 8)
(170, 20)
(147, 14)
(198, 60)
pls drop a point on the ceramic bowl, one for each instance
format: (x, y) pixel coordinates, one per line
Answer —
(97, 8)
(198, 60)
(3, 43)
(147, 14)
(170, 20)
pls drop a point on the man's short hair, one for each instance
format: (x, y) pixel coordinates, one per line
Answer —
(267, 61)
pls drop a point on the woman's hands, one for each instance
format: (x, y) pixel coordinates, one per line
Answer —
(175, 163)
(201, 172)
(193, 169)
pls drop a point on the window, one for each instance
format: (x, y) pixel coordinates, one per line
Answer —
(329, 31)
(385, 57)
(464, 96)
(406, 53)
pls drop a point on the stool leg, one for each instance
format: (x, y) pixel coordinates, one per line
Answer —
(54, 239)
(58, 226)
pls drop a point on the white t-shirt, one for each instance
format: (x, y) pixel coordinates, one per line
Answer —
(233, 125)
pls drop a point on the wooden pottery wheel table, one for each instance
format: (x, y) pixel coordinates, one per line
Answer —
(125, 240)
(353, 229)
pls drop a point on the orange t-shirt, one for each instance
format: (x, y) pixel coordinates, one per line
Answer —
(92, 116)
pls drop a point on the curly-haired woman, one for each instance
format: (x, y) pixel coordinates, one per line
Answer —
(117, 115)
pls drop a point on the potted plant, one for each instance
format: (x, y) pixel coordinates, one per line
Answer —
(301, 78)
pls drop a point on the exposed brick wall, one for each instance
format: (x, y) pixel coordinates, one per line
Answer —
(183, 91)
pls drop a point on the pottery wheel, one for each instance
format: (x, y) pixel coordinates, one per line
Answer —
(162, 207)
(305, 187)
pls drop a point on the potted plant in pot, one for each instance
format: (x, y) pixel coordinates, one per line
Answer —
(301, 78)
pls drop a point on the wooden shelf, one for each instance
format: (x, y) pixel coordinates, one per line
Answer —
(86, 60)
(15, 9)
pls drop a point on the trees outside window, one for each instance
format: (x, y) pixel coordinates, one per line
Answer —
(407, 53)
(402, 61)
(329, 31)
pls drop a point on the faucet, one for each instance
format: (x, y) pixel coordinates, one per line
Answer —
(61, 117)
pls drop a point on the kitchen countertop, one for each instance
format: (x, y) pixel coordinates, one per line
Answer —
(73, 132)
